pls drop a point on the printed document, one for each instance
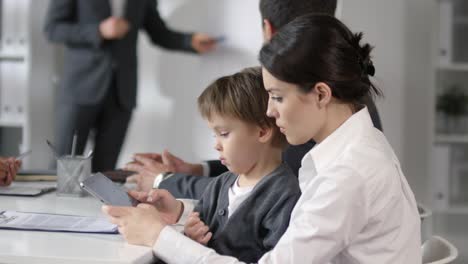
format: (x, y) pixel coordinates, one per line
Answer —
(55, 223)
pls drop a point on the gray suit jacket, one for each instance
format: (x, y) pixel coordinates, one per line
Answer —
(91, 61)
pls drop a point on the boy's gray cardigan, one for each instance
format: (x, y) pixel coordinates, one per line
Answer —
(258, 223)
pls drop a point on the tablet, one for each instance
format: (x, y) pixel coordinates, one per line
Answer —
(107, 191)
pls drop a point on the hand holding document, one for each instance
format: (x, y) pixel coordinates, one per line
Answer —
(55, 223)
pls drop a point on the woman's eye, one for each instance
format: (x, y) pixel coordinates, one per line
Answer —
(277, 98)
(224, 134)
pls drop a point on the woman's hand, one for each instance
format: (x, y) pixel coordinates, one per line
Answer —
(139, 225)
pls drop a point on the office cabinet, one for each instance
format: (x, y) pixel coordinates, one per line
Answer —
(26, 90)
(449, 109)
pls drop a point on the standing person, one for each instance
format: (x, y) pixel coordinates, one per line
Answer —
(8, 169)
(153, 172)
(356, 205)
(98, 89)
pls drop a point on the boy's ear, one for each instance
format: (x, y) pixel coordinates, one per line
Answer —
(323, 94)
(268, 30)
(265, 134)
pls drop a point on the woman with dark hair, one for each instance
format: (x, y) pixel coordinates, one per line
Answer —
(356, 205)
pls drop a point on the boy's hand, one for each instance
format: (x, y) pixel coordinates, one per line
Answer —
(169, 208)
(197, 230)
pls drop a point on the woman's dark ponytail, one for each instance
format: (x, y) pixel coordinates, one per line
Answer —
(364, 51)
(365, 62)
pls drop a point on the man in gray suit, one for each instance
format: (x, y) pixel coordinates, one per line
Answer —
(98, 88)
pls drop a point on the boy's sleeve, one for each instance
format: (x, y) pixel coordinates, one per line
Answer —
(277, 220)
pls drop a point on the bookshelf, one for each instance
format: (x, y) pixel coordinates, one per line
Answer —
(449, 109)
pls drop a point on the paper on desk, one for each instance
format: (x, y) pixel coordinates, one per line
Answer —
(55, 223)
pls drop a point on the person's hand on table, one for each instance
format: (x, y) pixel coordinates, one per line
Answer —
(8, 169)
(197, 230)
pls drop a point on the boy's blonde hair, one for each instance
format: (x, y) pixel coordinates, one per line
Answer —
(242, 96)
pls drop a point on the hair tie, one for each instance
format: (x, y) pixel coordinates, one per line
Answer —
(367, 67)
(370, 69)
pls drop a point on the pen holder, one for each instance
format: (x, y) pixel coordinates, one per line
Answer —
(71, 170)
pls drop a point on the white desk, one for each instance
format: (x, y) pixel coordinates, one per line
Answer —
(50, 247)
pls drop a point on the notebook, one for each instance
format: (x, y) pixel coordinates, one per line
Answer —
(36, 175)
(27, 189)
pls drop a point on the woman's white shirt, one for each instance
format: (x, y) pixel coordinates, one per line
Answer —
(356, 207)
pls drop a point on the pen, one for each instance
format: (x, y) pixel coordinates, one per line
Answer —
(54, 150)
(75, 137)
(90, 153)
(22, 155)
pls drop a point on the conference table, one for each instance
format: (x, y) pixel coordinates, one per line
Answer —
(17, 246)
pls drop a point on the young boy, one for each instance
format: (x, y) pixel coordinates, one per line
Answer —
(245, 211)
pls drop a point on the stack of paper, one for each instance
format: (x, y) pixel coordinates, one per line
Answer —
(55, 223)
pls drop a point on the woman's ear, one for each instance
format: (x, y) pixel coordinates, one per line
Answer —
(323, 93)
(265, 134)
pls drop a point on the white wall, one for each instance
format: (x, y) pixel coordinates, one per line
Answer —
(401, 33)
(382, 23)
(419, 50)
(170, 82)
(167, 115)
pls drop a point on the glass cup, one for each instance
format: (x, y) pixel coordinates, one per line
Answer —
(71, 170)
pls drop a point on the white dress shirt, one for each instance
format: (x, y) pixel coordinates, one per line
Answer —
(118, 7)
(356, 207)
